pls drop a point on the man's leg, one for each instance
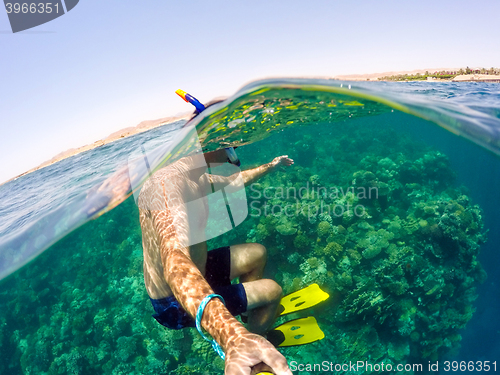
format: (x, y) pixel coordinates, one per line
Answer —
(263, 298)
(263, 295)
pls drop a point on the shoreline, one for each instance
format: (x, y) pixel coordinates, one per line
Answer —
(120, 134)
(150, 124)
(459, 78)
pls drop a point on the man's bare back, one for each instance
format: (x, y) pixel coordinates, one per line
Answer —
(172, 186)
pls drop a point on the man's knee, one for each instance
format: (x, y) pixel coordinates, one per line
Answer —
(272, 289)
(276, 291)
(259, 253)
(248, 259)
(262, 292)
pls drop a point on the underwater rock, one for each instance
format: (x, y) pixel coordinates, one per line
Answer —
(315, 271)
(374, 242)
(286, 227)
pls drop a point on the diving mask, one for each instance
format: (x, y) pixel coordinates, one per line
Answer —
(232, 157)
(231, 154)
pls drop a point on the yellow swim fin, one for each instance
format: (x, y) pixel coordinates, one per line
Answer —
(302, 299)
(296, 332)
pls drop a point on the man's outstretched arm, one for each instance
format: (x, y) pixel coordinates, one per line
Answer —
(252, 175)
(243, 349)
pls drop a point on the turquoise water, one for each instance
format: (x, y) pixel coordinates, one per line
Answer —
(413, 278)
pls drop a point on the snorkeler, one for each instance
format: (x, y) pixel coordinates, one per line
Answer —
(188, 284)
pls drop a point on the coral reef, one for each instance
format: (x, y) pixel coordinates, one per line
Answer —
(82, 308)
(386, 231)
(367, 213)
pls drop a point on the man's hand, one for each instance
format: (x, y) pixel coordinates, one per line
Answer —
(252, 175)
(282, 160)
(249, 350)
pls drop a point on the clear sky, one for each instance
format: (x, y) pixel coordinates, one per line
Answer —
(108, 65)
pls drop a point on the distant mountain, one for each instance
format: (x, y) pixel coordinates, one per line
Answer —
(123, 133)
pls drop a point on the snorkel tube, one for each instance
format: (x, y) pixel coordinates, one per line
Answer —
(231, 154)
(191, 99)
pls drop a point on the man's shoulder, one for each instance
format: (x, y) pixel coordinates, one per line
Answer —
(167, 183)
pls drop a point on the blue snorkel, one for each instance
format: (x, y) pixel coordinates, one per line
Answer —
(191, 99)
(231, 154)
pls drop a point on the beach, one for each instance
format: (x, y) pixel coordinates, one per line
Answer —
(474, 77)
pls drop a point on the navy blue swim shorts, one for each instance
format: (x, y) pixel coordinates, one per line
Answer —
(171, 314)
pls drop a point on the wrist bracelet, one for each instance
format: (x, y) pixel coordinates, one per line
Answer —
(199, 315)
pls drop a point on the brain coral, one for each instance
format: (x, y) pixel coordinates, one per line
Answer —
(324, 229)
